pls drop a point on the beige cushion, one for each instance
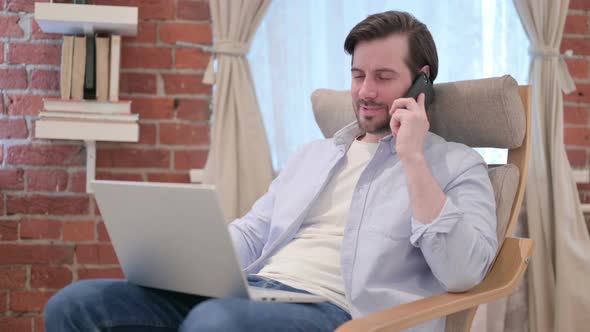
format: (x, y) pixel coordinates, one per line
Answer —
(504, 180)
(478, 113)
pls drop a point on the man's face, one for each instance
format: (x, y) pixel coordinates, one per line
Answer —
(379, 76)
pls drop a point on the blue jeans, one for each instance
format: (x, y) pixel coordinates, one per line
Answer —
(120, 306)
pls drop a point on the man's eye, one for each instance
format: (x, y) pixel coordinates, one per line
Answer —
(356, 77)
(385, 78)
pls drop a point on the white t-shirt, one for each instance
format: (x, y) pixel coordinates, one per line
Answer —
(311, 261)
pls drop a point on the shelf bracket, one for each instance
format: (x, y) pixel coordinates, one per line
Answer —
(90, 164)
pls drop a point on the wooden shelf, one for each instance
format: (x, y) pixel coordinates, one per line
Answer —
(71, 19)
(87, 131)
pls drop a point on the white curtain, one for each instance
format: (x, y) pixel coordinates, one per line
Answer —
(559, 293)
(239, 162)
(299, 47)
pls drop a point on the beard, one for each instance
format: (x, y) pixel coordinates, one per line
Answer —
(372, 124)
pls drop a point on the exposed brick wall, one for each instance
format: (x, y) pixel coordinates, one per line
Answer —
(51, 232)
(577, 104)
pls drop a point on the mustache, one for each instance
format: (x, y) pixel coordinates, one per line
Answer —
(368, 103)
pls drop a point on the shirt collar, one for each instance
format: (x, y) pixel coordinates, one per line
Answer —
(344, 137)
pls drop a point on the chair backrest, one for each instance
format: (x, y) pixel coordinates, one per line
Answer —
(491, 112)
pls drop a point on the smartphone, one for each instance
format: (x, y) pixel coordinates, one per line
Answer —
(422, 84)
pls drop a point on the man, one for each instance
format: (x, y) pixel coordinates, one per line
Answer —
(382, 214)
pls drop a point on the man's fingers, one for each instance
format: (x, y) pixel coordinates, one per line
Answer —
(421, 100)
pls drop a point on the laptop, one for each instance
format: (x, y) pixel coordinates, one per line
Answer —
(173, 236)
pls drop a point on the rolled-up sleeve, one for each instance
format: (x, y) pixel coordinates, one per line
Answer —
(460, 244)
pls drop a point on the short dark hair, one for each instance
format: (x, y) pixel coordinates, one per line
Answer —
(422, 50)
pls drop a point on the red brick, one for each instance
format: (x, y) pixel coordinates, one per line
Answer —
(2, 53)
(78, 182)
(187, 159)
(9, 27)
(153, 108)
(13, 128)
(169, 177)
(13, 277)
(578, 45)
(576, 24)
(12, 179)
(47, 204)
(185, 84)
(578, 68)
(146, 57)
(577, 158)
(40, 229)
(38, 323)
(575, 115)
(103, 235)
(157, 9)
(2, 210)
(133, 158)
(1, 153)
(36, 253)
(581, 95)
(39, 34)
(22, 5)
(137, 83)
(24, 104)
(55, 277)
(147, 133)
(132, 3)
(27, 301)
(194, 33)
(46, 155)
(8, 230)
(185, 134)
(119, 176)
(193, 109)
(16, 324)
(47, 180)
(193, 10)
(577, 136)
(146, 33)
(191, 58)
(44, 79)
(579, 4)
(109, 273)
(13, 78)
(34, 54)
(3, 303)
(78, 231)
(96, 254)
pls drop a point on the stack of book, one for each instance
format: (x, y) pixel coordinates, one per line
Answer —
(90, 67)
(89, 107)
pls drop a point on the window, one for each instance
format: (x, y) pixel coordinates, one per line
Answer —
(299, 48)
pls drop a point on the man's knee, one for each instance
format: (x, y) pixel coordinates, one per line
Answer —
(217, 315)
(74, 305)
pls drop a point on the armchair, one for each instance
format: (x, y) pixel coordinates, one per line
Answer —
(493, 112)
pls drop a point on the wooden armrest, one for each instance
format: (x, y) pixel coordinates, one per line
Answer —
(504, 276)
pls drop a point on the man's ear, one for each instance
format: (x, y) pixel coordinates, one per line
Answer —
(426, 69)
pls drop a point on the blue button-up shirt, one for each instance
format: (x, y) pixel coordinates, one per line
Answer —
(387, 257)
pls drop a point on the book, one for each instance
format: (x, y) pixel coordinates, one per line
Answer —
(115, 67)
(86, 106)
(102, 68)
(67, 57)
(85, 130)
(78, 67)
(90, 116)
(90, 69)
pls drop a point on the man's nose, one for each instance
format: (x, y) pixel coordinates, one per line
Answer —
(368, 90)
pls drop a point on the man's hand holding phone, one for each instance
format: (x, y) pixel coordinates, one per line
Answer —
(409, 125)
